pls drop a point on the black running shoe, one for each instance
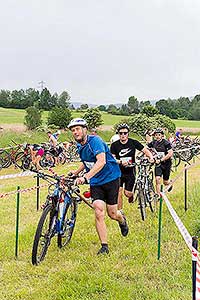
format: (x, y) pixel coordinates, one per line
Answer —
(103, 250)
(171, 187)
(124, 227)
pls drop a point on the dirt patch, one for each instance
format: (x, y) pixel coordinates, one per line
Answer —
(13, 127)
(188, 129)
(185, 129)
(106, 127)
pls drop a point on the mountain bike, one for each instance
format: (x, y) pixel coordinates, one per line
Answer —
(59, 215)
(144, 187)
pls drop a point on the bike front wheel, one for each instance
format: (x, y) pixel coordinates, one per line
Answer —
(46, 229)
(68, 224)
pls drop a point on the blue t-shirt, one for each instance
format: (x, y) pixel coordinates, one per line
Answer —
(95, 145)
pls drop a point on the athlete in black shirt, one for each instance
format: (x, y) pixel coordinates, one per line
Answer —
(165, 152)
(124, 151)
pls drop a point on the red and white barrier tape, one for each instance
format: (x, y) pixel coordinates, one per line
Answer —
(8, 176)
(198, 278)
(188, 239)
(23, 190)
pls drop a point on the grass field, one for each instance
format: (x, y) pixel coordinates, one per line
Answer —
(16, 116)
(130, 272)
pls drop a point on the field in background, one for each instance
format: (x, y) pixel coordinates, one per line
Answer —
(130, 271)
(16, 116)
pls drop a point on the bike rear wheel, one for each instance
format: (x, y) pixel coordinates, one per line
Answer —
(23, 161)
(47, 160)
(68, 223)
(45, 231)
(151, 198)
(142, 203)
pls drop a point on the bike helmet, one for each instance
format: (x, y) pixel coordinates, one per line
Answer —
(123, 126)
(77, 122)
(158, 130)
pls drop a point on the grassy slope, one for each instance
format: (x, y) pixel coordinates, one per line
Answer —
(130, 271)
(9, 116)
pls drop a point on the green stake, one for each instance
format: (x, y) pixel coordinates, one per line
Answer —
(17, 224)
(160, 223)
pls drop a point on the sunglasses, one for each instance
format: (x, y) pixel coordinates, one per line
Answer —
(120, 133)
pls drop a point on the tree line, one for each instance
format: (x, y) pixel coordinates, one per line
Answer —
(23, 99)
(181, 108)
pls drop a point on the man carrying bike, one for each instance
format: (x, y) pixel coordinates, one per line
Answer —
(124, 151)
(163, 161)
(102, 172)
(55, 149)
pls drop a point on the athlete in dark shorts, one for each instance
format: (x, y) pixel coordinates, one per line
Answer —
(165, 152)
(124, 151)
(102, 172)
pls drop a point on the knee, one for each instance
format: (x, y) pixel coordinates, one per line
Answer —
(158, 180)
(99, 213)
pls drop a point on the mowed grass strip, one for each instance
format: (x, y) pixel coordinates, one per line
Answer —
(130, 271)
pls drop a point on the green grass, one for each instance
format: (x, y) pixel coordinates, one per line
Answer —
(131, 271)
(16, 116)
(187, 123)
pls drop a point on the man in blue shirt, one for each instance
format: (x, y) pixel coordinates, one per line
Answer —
(103, 173)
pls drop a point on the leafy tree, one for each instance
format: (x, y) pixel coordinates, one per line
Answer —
(124, 110)
(45, 99)
(32, 96)
(33, 117)
(53, 101)
(4, 98)
(142, 104)
(63, 99)
(102, 107)
(17, 99)
(93, 117)
(150, 110)
(195, 112)
(84, 106)
(59, 117)
(111, 108)
(133, 105)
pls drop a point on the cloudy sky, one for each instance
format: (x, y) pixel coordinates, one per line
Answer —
(102, 51)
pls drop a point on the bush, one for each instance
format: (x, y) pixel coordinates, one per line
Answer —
(93, 117)
(59, 117)
(33, 117)
(139, 123)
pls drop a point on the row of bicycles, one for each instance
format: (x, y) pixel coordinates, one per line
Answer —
(20, 156)
(185, 149)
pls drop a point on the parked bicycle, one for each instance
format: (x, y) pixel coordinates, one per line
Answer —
(59, 215)
(144, 187)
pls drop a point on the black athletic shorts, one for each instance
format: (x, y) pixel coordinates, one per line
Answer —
(163, 170)
(107, 192)
(128, 181)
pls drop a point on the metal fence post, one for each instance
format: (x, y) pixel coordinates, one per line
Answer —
(185, 187)
(160, 224)
(38, 191)
(17, 223)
